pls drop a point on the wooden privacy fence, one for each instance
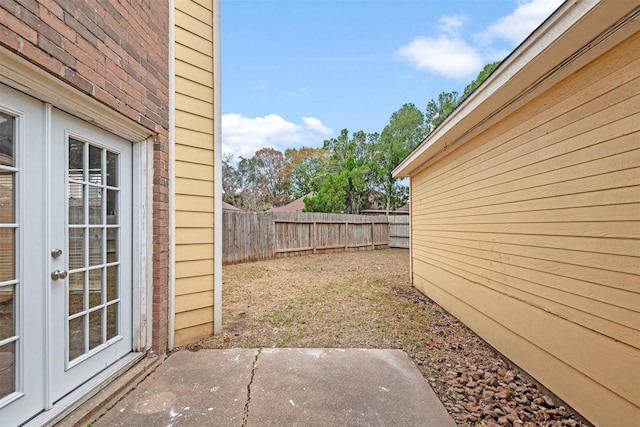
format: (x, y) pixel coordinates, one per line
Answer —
(399, 231)
(252, 236)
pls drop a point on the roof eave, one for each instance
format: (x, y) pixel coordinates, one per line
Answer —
(545, 57)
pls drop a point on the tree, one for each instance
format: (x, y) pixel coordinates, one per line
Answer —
(403, 133)
(482, 76)
(307, 169)
(274, 175)
(231, 182)
(438, 110)
(345, 188)
(257, 183)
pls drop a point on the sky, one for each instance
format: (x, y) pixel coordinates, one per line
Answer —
(297, 72)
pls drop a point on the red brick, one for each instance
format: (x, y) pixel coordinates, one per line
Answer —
(10, 39)
(19, 27)
(56, 51)
(56, 24)
(53, 8)
(37, 56)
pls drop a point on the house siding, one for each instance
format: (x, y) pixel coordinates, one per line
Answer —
(116, 53)
(530, 235)
(194, 186)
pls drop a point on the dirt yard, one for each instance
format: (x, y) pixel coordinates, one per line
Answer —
(365, 300)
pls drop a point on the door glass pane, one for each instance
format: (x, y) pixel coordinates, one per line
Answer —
(112, 169)
(7, 135)
(95, 287)
(7, 312)
(112, 283)
(76, 203)
(76, 248)
(95, 205)
(112, 244)
(95, 246)
(76, 337)
(95, 165)
(7, 254)
(76, 160)
(7, 369)
(112, 207)
(76, 292)
(112, 321)
(6, 197)
(95, 329)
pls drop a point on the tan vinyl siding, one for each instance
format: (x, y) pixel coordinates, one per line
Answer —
(530, 234)
(194, 185)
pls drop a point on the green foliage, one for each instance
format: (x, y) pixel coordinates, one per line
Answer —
(403, 133)
(307, 167)
(482, 76)
(438, 110)
(349, 170)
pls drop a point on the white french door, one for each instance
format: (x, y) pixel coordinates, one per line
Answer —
(65, 254)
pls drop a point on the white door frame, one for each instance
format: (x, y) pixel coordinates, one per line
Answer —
(26, 77)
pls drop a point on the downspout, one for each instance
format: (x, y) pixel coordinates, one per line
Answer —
(217, 173)
(172, 177)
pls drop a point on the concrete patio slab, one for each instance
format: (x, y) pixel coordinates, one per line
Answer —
(282, 387)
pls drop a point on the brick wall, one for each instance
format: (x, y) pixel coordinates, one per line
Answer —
(117, 52)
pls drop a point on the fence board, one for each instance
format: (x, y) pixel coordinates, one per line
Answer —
(249, 236)
(399, 231)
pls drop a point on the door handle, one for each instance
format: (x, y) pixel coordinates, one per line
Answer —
(59, 274)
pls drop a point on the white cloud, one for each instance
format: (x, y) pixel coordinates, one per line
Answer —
(446, 55)
(516, 26)
(243, 136)
(316, 125)
(449, 55)
(451, 24)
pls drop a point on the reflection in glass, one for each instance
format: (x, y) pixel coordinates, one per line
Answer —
(7, 369)
(6, 197)
(76, 292)
(7, 137)
(76, 203)
(112, 283)
(112, 169)
(76, 337)
(76, 159)
(112, 206)
(95, 287)
(95, 165)
(7, 312)
(112, 244)
(95, 246)
(95, 205)
(76, 248)
(95, 329)
(7, 256)
(112, 321)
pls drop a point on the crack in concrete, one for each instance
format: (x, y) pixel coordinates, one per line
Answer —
(245, 419)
